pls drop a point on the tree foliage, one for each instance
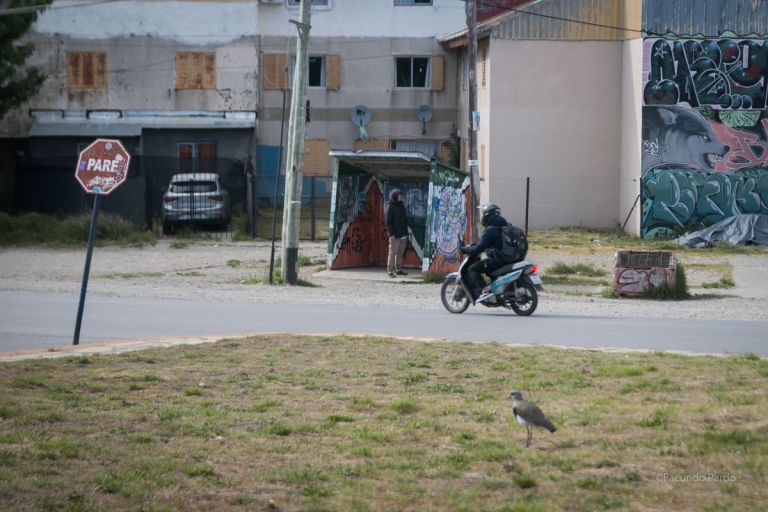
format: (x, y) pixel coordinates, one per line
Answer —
(17, 82)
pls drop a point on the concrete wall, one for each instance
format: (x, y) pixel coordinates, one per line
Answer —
(556, 117)
(142, 38)
(367, 18)
(367, 78)
(631, 123)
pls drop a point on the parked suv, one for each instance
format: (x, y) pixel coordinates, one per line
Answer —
(195, 198)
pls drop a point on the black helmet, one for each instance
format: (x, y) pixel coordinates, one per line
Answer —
(487, 211)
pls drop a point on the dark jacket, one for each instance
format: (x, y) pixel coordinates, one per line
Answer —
(397, 219)
(491, 241)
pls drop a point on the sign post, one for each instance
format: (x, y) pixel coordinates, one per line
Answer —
(101, 168)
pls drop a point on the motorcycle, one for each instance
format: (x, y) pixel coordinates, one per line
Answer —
(513, 286)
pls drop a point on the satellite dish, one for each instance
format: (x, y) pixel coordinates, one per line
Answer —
(425, 114)
(361, 116)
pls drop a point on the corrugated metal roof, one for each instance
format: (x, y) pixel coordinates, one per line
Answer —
(82, 129)
(709, 18)
(573, 20)
(387, 164)
(130, 124)
(590, 20)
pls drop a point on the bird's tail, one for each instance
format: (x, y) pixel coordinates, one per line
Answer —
(549, 426)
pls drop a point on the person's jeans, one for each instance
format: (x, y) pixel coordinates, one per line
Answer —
(396, 250)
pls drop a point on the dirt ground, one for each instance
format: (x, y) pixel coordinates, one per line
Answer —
(238, 272)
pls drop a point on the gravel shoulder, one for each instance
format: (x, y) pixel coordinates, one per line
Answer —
(231, 271)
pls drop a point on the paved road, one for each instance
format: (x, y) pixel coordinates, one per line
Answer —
(32, 320)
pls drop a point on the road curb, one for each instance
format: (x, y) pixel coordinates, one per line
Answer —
(121, 346)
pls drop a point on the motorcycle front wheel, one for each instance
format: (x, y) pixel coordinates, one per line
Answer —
(454, 297)
(527, 299)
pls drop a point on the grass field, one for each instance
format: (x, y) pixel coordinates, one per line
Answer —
(336, 423)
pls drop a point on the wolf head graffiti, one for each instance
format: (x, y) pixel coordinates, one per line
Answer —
(679, 136)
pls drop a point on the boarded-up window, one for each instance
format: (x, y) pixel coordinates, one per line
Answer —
(87, 70)
(438, 65)
(482, 161)
(316, 157)
(372, 145)
(275, 75)
(446, 152)
(195, 70)
(333, 72)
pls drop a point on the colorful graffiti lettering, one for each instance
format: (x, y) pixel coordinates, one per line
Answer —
(725, 73)
(676, 200)
(449, 219)
(746, 148)
(704, 132)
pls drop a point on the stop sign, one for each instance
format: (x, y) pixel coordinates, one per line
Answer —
(102, 166)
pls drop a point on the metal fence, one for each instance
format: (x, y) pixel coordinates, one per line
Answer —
(47, 185)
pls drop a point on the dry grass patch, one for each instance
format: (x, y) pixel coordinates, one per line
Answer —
(335, 423)
(589, 241)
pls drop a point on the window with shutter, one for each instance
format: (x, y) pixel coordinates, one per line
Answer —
(275, 76)
(438, 63)
(195, 70)
(316, 161)
(333, 72)
(87, 70)
(412, 72)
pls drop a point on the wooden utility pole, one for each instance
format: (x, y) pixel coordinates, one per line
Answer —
(293, 168)
(474, 180)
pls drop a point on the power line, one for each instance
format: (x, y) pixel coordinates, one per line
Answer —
(559, 18)
(11, 11)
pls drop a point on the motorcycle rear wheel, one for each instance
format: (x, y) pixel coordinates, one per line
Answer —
(528, 299)
(454, 298)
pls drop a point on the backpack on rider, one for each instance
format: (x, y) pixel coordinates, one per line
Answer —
(514, 243)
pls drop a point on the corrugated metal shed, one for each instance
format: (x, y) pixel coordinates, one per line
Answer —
(573, 20)
(708, 18)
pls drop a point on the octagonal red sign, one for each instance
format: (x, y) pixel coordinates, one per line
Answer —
(102, 166)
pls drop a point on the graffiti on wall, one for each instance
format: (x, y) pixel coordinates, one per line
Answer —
(748, 147)
(675, 135)
(704, 132)
(415, 199)
(634, 282)
(448, 215)
(449, 221)
(676, 200)
(346, 197)
(726, 73)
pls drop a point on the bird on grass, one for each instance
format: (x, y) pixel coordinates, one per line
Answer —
(529, 415)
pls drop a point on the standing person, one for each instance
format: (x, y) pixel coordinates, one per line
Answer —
(397, 228)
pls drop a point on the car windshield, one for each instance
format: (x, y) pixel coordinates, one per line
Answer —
(193, 187)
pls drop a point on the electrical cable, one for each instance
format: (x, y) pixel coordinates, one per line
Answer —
(559, 18)
(11, 11)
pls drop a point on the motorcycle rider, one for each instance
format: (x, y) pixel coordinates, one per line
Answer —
(491, 242)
